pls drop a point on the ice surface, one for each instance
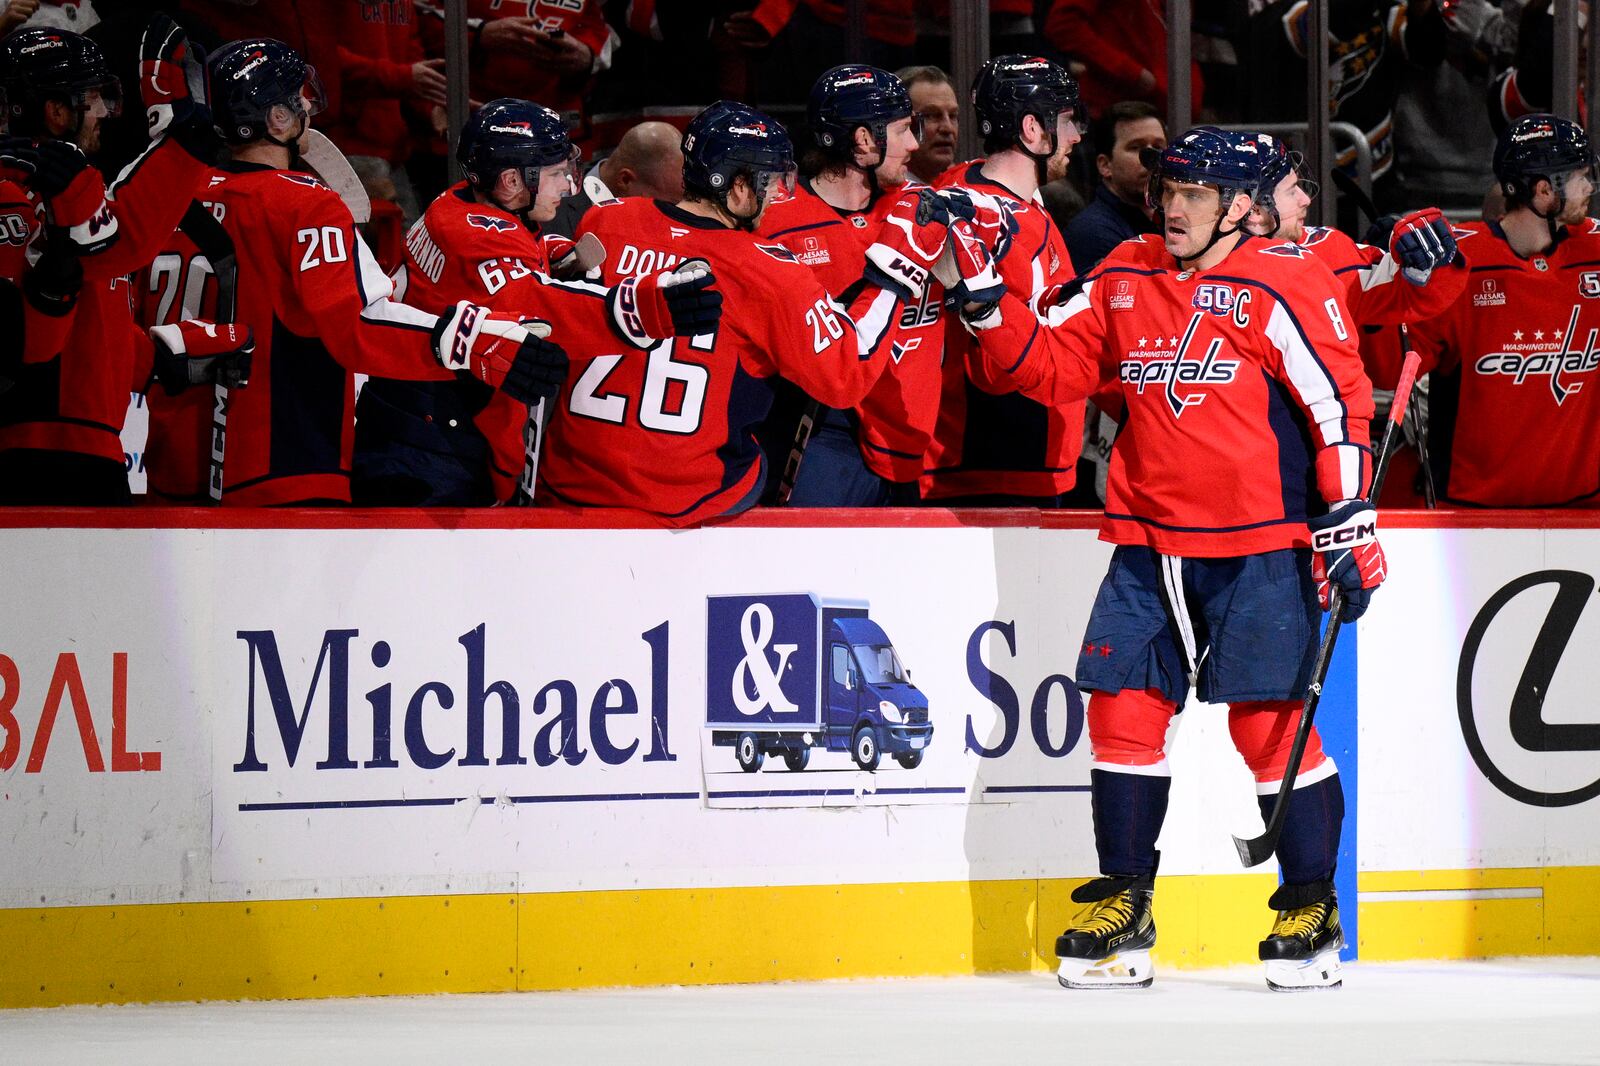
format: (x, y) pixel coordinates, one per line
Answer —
(1542, 1010)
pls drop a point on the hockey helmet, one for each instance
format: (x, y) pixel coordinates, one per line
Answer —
(247, 79)
(1277, 162)
(1539, 146)
(729, 139)
(853, 96)
(1011, 87)
(1205, 155)
(37, 65)
(508, 133)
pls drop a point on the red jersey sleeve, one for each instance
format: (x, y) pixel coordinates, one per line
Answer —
(1052, 361)
(148, 199)
(1377, 292)
(341, 295)
(832, 350)
(1311, 347)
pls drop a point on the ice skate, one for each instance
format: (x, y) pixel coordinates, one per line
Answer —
(1108, 945)
(1302, 951)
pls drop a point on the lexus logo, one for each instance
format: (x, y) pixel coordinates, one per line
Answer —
(1528, 728)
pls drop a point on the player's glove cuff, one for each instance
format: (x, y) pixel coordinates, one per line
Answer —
(890, 269)
(202, 353)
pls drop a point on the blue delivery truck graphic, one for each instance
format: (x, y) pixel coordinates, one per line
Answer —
(790, 672)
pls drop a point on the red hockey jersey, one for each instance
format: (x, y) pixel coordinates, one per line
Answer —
(177, 284)
(77, 399)
(896, 418)
(671, 433)
(1513, 363)
(463, 250)
(319, 305)
(1374, 289)
(1242, 388)
(990, 439)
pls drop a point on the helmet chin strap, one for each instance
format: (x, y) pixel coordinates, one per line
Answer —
(1217, 234)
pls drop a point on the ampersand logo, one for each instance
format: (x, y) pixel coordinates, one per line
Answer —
(755, 633)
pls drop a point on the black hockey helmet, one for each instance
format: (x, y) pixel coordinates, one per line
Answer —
(729, 139)
(37, 65)
(1011, 87)
(1231, 163)
(507, 134)
(1276, 162)
(853, 96)
(247, 79)
(1540, 146)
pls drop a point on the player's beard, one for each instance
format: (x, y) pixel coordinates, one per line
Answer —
(1056, 167)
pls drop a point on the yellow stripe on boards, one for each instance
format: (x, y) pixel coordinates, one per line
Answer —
(293, 949)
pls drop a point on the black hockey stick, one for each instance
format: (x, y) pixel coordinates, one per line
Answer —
(213, 242)
(1352, 188)
(1257, 850)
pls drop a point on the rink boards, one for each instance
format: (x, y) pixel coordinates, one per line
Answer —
(361, 754)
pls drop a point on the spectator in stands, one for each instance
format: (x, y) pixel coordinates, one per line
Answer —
(933, 99)
(1371, 43)
(1118, 211)
(802, 38)
(543, 50)
(1123, 49)
(14, 13)
(647, 162)
(75, 15)
(387, 85)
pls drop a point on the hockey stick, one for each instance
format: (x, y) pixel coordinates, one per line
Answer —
(1255, 851)
(213, 242)
(810, 415)
(335, 171)
(1352, 188)
(1419, 427)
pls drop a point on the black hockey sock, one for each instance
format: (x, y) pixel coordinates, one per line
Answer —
(1308, 850)
(1128, 812)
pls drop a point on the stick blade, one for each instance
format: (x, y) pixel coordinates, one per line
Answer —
(1257, 850)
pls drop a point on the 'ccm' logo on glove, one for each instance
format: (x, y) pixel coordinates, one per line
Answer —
(1359, 528)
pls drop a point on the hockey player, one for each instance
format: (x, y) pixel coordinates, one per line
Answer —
(1242, 387)
(60, 426)
(992, 444)
(672, 435)
(1422, 248)
(853, 177)
(1515, 356)
(318, 302)
(461, 443)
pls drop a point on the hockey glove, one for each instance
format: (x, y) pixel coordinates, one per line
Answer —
(72, 190)
(1345, 552)
(979, 281)
(1420, 242)
(909, 244)
(53, 282)
(202, 353)
(571, 259)
(511, 356)
(674, 303)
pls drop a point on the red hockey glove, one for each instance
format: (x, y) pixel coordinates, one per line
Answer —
(909, 243)
(674, 303)
(164, 62)
(73, 192)
(1346, 552)
(979, 281)
(202, 353)
(1421, 241)
(511, 356)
